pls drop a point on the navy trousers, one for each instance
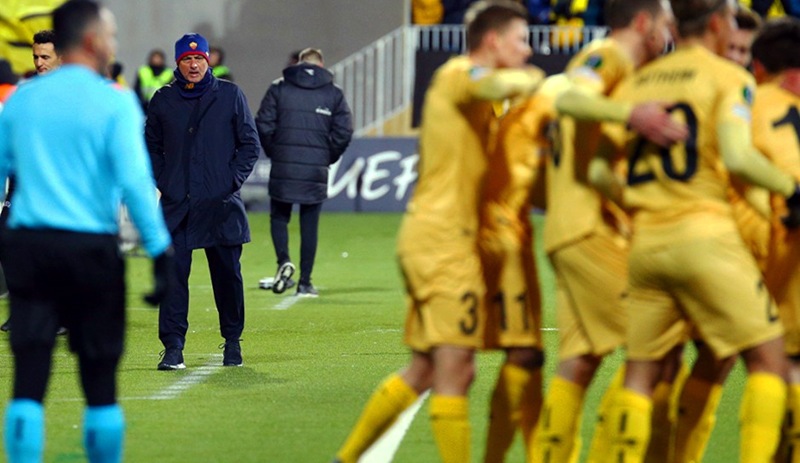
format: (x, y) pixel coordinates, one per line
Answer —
(226, 283)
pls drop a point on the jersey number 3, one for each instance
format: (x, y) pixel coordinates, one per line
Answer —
(688, 149)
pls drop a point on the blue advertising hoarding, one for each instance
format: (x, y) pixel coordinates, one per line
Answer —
(373, 175)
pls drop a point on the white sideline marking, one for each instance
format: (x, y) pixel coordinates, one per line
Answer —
(286, 303)
(197, 376)
(384, 449)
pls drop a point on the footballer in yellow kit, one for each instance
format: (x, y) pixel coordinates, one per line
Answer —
(506, 234)
(437, 244)
(583, 232)
(687, 258)
(776, 132)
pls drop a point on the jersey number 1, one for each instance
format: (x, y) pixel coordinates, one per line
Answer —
(793, 118)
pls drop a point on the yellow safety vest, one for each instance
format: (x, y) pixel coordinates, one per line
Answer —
(149, 83)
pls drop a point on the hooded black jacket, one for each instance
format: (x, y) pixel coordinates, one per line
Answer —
(305, 125)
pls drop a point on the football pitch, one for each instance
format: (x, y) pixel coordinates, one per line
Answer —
(309, 364)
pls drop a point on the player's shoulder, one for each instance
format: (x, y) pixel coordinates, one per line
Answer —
(712, 66)
(772, 94)
(598, 54)
(457, 65)
(699, 65)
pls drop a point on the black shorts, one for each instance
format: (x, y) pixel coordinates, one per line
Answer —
(59, 278)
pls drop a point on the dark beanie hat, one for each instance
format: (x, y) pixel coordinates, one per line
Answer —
(191, 44)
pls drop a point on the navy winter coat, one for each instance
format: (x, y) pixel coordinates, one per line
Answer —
(305, 126)
(200, 167)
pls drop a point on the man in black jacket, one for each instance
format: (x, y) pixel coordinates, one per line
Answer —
(305, 125)
(203, 145)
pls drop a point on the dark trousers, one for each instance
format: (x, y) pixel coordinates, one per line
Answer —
(75, 280)
(226, 283)
(279, 216)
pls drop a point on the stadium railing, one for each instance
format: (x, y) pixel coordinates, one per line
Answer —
(378, 80)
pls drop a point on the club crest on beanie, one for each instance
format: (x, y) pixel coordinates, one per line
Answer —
(191, 44)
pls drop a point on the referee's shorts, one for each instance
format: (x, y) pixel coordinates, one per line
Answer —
(63, 278)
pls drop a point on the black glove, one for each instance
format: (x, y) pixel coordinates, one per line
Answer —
(792, 219)
(163, 274)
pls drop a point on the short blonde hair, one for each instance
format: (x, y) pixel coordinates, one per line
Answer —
(310, 55)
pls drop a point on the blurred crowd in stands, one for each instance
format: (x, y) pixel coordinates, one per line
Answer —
(20, 20)
(566, 12)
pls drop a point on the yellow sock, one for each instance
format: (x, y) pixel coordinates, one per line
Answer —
(792, 425)
(697, 410)
(559, 424)
(677, 389)
(516, 400)
(760, 416)
(660, 447)
(450, 423)
(601, 438)
(388, 401)
(629, 421)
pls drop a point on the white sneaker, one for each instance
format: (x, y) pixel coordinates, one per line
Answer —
(266, 282)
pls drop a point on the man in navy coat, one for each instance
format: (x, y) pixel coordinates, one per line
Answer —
(203, 145)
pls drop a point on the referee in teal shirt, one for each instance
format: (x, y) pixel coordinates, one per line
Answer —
(75, 144)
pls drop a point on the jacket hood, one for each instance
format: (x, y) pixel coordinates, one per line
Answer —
(307, 75)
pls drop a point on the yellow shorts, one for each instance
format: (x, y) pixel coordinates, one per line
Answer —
(755, 232)
(713, 283)
(591, 278)
(783, 280)
(513, 303)
(445, 293)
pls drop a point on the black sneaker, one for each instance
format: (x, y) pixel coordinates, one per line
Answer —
(306, 290)
(232, 355)
(6, 326)
(282, 277)
(171, 359)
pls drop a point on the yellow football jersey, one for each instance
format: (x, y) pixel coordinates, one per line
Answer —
(454, 138)
(574, 208)
(521, 147)
(680, 193)
(776, 133)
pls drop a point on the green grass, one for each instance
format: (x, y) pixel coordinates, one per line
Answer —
(308, 370)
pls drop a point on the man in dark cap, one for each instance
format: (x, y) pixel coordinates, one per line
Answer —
(203, 145)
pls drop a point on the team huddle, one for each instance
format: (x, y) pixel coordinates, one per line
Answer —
(653, 170)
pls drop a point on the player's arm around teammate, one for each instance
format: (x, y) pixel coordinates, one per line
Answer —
(585, 235)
